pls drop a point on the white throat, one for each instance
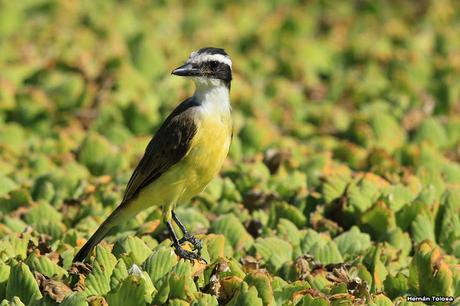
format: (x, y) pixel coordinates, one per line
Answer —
(212, 94)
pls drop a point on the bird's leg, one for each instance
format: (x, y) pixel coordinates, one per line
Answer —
(180, 251)
(187, 236)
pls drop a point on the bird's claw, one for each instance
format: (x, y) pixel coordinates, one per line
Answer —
(177, 243)
(194, 241)
(188, 255)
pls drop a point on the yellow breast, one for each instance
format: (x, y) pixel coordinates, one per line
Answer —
(208, 151)
(190, 176)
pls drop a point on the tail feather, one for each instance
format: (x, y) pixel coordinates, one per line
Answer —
(100, 233)
(84, 252)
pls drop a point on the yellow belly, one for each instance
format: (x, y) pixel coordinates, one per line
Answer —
(190, 176)
(209, 150)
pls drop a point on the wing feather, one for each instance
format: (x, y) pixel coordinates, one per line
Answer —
(169, 145)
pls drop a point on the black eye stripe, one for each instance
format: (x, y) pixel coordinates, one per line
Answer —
(212, 65)
(216, 65)
(215, 69)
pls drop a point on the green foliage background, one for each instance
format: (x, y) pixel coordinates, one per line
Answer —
(342, 186)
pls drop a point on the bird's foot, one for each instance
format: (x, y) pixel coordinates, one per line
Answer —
(182, 253)
(177, 243)
(193, 240)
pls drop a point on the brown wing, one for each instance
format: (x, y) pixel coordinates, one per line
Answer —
(169, 145)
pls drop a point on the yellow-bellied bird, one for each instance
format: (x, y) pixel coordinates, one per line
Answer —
(185, 154)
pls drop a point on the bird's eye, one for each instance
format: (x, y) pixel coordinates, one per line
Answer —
(213, 64)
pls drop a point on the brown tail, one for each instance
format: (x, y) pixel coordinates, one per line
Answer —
(100, 233)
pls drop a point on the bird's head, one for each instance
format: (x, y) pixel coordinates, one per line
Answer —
(207, 66)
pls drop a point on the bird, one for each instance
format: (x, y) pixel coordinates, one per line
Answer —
(184, 155)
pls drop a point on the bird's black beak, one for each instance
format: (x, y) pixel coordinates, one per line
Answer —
(186, 70)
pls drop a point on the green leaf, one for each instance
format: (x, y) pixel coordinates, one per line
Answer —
(339, 288)
(274, 251)
(310, 239)
(15, 245)
(352, 242)
(251, 135)
(448, 219)
(75, 299)
(376, 267)
(45, 266)
(308, 300)
(215, 246)
(400, 240)
(181, 281)
(6, 185)
(289, 232)
(431, 131)
(381, 300)
(98, 281)
(290, 185)
(43, 211)
(336, 184)
(236, 268)
(389, 135)
(14, 200)
(246, 295)
(319, 282)
(4, 272)
(326, 252)
(22, 284)
(291, 213)
(43, 189)
(396, 196)
(429, 274)
(15, 301)
(361, 196)
(54, 229)
(378, 220)
(234, 232)
(132, 289)
(134, 246)
(105, 259)
(262, 282)
(396, 286)
(120, 273)
(433, 184)
(203, 299)
(149, 287)
(99, 155)
(13, 137)
(408, 213)
(160, 262)
(422, 228)
(284, 292)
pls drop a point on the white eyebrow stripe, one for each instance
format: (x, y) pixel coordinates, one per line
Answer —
(213, 57)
